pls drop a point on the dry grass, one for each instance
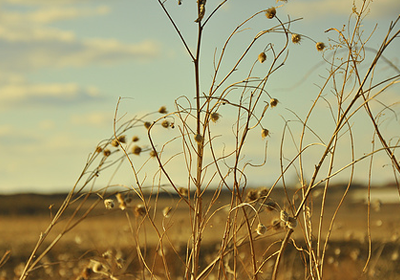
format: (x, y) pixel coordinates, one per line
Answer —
(217, 227)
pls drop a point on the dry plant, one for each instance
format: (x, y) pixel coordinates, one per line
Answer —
(254, 230)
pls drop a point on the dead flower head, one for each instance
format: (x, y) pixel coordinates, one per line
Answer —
(284, 216)
(109, 204)
(99, 149)
(121, 138)
(270, 13)
(296, 38)
(106, 152)
(121, 201)
(163, 110)
(136, 150)
(198, 138)
(262, 57)
(114, 143)
(167, 211)
(147, 124)
(291, 223)
(252, 195)
(183, 191)
(139, 210)
(261, 229)
(215, 117)
(153, 153)
(135, 138)
(264, 133)
(320, 46)
(274, 102)
(165, 123)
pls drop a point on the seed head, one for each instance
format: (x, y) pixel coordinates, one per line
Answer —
(273, 102)
(136, 150)
(106, 152)
(99, 149)
(147, 125)
(198, 138)
(215, 117)
(270, 13)
(264, 133)
(109, 204)
(153, 153)
(114, 143)
(252, 195)
(261, 229)
(183, 191)
(263, 192)
(167, 212)
(163, 110)
(121, 139)
(135, 138)
(262, 57)
(139, 210)
(165, 123)
(296, 38)
(320, 46)
(291, 223)
(121, 201)
(284, 216)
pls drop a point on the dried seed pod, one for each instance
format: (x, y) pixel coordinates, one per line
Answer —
(261, 229)
(291, 223)
(262, 57)
(136, 150)
(165, 123)
(99, 149)
(215, 117)
(264, 133)
(121, 139)
(296, 38)
(270, 13)
(320, 46)
(135, 138)
(252, 195)
(183, 191)
(273, 102)
(121, 201)
(167, 211)
(284, 216)
(114, 143)
(147, 124)
(139, 210)
(163, 110)
(198, 138)
(153, 153)
(106, 152)
(109, 204)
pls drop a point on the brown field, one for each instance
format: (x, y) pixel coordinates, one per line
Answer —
(24, 217)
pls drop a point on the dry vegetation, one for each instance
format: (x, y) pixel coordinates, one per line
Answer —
(216, 225)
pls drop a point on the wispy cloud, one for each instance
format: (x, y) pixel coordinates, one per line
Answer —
(28, 42)
(46, 94)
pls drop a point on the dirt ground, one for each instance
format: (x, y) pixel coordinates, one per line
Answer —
(23, 218)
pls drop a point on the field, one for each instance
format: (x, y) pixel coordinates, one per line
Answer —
(109, 236)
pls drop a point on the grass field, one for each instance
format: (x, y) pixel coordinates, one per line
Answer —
(107, 236)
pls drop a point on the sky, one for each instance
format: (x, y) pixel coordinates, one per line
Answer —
(64, 65)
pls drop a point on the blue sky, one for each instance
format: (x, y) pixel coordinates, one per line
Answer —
(65, 63)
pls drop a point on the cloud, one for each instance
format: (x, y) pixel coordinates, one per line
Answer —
(317, 9)
(28, 43)
(46, 94)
